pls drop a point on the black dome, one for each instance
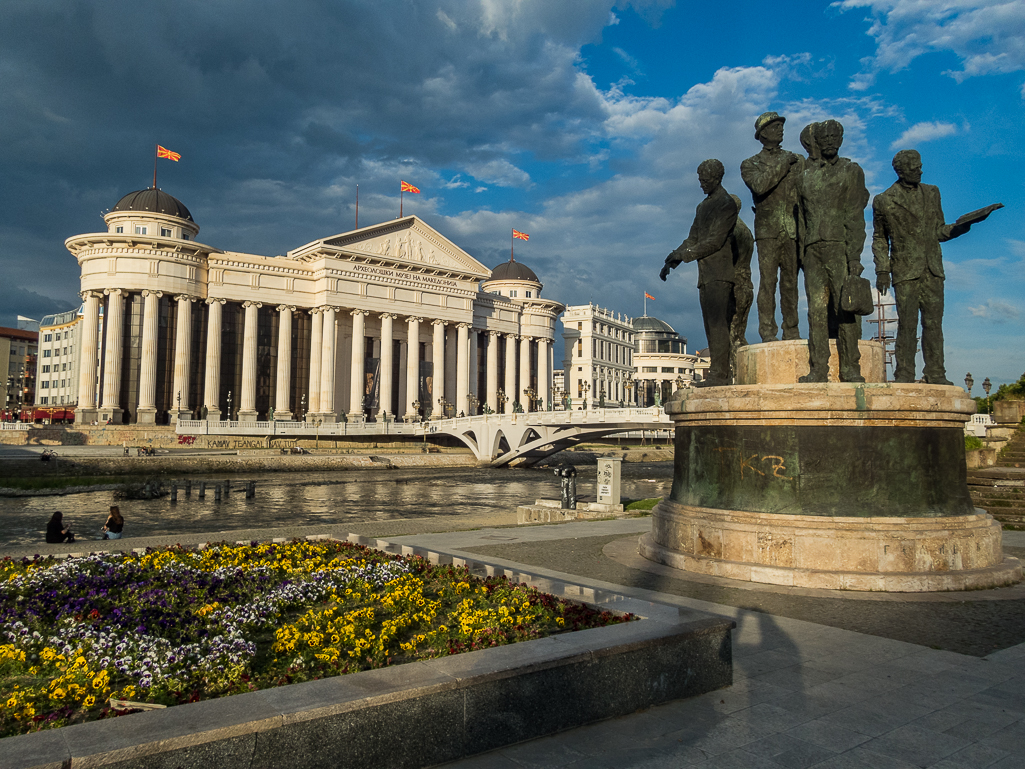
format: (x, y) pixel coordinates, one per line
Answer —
(644, 323)
(513, 271)
(155, 201)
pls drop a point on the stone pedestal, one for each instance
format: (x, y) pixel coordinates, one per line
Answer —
(784, 362)
(848, 486)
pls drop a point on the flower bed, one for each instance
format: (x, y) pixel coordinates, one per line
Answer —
(175, 625)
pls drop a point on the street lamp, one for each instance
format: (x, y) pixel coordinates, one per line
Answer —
(444, 404)
(987, 386)
(531, 396)
(472, 400)
(302, 408)
(502, 399)
(968, 382)
(416, 410)
(229, 406)
(586, 387)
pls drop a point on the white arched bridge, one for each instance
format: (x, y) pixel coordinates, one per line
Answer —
(518, 439)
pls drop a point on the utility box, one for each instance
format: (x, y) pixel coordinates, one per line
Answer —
(608, 481)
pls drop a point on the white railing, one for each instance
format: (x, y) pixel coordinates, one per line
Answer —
(15, 425)
(305, 429)
(978, 424)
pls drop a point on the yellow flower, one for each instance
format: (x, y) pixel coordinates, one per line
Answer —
(89, 702)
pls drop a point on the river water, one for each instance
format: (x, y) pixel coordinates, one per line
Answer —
(307, 499)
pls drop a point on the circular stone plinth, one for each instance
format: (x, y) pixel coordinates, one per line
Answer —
(784, 362)
(839, 553)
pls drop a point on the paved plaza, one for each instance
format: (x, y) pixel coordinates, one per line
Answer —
(920, 687)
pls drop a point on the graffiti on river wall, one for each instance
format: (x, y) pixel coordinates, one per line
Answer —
(236, 443)
(186, 440)
(283, 443)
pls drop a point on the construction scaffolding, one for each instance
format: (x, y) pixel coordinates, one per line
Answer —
(885, 320)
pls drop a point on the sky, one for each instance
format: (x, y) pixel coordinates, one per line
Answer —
(581, 124)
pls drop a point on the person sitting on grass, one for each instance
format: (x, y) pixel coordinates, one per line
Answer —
(55, 531)
(115, 524)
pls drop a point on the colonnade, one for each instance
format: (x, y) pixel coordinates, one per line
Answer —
(454, 355)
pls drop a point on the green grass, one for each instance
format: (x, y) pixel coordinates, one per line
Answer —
(61, 482)
(643, 504)
(972, 442)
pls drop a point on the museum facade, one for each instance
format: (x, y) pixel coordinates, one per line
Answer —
(387, 321)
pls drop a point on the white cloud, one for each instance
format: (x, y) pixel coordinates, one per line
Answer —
(924, 132)
(499, 172)
(995, 310)
(986, 35)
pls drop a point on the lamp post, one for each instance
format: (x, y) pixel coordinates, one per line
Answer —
(968, 382)
(472, 400)
(302, 408)
(229, 406)
(586, 387)
(531, 396)
(416, 410)
(502, 398)
(444, 404)
(629, 386)
(987, 386)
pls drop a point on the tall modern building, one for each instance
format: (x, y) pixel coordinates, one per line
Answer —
(390, 320)
(19, 348)
(598, 363)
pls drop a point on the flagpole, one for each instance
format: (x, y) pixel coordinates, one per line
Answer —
(512, 256)
(357, 206)
(154, 166)
(645, 305)
(400, 202)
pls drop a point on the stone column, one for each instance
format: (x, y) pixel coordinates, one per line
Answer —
(88, 361)
(283, 391)
(387, 364)
(146, 413)
(510, 372)
(316, 354)
(462, 369)
(544, 387)
(412, 367)
(212, 383)
(247, 398)
(327, 367)
(451, 371)
(181, 408)
(491, 396)
(471, 374)
(438, 359)
(357, 386)
(524, 372)
(400, 372)
(113, 322)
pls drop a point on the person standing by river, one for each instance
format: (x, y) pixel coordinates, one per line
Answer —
(115, 524)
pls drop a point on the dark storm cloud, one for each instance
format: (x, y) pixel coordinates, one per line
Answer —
(277, 110)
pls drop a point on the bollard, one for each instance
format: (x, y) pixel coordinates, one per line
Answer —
(217, 492)
(227, 489)
(188, 488)
(202, 489)
(174, 491)
(568, 474)
(250, 489)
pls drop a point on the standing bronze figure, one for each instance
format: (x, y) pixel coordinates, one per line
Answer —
(709, 244)
(907, 231)
(742, 241)
(772, 177)
(833, 198)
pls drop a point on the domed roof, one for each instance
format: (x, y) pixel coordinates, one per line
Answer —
(155, 201)
(513, 270)
(644, 323)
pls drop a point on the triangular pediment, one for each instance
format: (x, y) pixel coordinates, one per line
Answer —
(402, 243)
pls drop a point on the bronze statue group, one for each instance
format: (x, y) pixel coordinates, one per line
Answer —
(810, 217)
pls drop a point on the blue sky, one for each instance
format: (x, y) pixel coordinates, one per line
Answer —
(580, 123)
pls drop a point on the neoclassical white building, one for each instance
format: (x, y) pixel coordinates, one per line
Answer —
(391, 320)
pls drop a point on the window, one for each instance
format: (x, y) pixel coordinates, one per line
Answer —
(62, 399)
(43, 400)
(529, 294)
(667, 369)
(45, 384)
(512, 294)
(649, 369)
(120, 229)
(165, 232)
(46, 353)
(46, 369)
(64, 367)
(65, 334)
(65, 350)
(185, 236)
(141, 229)
(580, 326)
(681, 371)
(48, 338)
(580, 348)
